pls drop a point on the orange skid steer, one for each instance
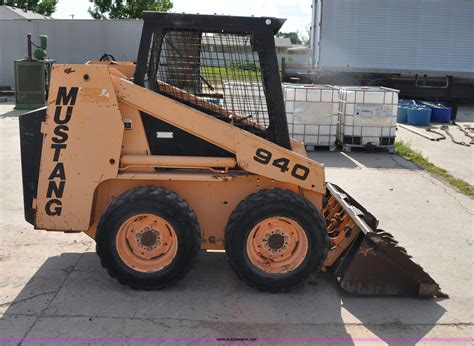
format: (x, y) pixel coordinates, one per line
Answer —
(189, 149)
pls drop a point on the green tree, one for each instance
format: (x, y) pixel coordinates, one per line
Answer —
(44, 7)
(296, 37)
(306, 37)
(129, 9)
(293, 36)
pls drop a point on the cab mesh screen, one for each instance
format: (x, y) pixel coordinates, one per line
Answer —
(217, 73)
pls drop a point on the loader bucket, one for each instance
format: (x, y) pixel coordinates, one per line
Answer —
(374, 263)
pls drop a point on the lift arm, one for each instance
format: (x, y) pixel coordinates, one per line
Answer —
(253, 154)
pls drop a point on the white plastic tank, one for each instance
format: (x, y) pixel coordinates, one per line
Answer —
(367, 115)
(312, 113)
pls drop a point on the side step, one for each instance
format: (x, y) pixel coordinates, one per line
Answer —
(374, 263)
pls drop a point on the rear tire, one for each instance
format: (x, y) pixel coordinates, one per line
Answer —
(275, 240)
(148, 238)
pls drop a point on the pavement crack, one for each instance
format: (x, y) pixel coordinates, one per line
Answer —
(448, 189)
(166, 320)
(42, 312)
(26, 299)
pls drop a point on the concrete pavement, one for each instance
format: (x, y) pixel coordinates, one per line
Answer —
(52, 285)
(457, 159)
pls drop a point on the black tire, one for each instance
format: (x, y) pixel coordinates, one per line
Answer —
(262, 205)
(151, 200)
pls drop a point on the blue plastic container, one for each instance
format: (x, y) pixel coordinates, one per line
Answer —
(405, 101)
(441, 114)
(419, 115)
(402, 114)
(403, 105)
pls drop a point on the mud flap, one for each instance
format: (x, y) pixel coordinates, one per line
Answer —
(374, 264)
(31, 143)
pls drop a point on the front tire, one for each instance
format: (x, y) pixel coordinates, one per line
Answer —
(148, 238)
(275, 240)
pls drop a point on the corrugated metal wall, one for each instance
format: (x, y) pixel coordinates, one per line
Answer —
(70, 41)
(398, 35)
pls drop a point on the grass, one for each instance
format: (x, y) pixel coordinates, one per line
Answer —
(230, 73)
(404, 150)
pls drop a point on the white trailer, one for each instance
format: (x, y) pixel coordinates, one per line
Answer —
(419, 46)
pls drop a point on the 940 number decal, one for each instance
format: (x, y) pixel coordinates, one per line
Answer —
(265, 157)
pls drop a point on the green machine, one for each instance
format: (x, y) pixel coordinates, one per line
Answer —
(32, 76)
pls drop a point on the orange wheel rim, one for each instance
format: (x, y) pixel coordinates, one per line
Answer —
(147, 243)
(277, 245)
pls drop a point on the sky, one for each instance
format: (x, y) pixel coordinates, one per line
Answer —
(297, 12)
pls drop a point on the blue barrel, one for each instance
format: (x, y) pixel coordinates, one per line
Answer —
(403, 105)
(402, 114)
(441, 114)
(403, 102)
(419, 115)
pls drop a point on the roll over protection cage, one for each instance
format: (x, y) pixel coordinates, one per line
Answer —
(261, 31)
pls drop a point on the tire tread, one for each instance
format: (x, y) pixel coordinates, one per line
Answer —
(263, 197)
(132, 196)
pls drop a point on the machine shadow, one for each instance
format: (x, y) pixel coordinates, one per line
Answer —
(13, 113)
(333, 159)
(211, 297)
(361, 159)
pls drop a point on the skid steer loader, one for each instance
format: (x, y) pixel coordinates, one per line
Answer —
(189, 149)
